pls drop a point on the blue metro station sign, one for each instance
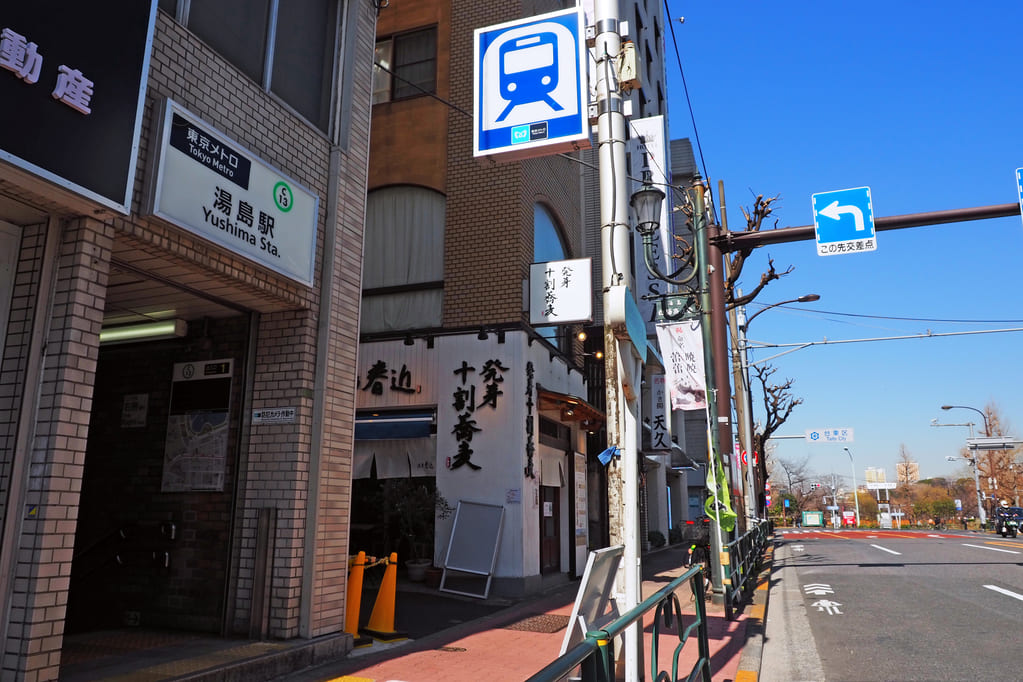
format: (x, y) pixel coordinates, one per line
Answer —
(529, 87)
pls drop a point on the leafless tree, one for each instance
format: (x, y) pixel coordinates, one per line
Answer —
(906, 468)
(796, 478)
(778, 405)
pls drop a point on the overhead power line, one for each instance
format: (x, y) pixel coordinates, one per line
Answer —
(817, 311)
(924, 335)
(685, 90)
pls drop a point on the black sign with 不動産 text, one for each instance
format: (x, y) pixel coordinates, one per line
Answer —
(72, 84)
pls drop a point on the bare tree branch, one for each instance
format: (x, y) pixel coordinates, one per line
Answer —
(778, 401)
(761, 211)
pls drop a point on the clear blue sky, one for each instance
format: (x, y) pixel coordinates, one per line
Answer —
(923, 103)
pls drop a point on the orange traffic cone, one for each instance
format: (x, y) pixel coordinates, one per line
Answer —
(356, 569)
(381, 621)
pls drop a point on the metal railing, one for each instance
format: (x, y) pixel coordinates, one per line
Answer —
(744, 559)
(593, 660)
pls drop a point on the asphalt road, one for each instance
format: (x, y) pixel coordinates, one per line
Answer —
(894, 605)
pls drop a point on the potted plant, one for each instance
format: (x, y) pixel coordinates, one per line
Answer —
(415, 506)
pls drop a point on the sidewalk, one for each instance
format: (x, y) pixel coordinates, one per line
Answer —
(515, 642)
(453, 638)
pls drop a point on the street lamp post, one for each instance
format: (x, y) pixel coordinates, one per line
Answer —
(856, 496)
(987, 429)
(740, 367)
(706, 292)
(974, 460)
(973, 464)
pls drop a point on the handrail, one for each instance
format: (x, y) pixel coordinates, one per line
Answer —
(744, 557)
(594, 656)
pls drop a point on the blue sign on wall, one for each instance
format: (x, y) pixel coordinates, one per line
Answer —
(529, 86)
(844, 221)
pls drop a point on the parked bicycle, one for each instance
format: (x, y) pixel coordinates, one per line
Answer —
(699, 553)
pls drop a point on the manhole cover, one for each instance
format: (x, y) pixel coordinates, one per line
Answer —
(547, 623)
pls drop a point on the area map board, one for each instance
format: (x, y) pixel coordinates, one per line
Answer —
(530, 93)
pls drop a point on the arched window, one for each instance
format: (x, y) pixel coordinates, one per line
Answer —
(547, 246)
(403, 260)
(547, 242)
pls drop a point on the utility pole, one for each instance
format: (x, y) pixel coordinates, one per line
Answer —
(742, 408)
(719, 326)
(707, 267)
(622, 365)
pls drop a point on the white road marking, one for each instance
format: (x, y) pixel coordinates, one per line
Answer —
(885, 549)
(1007, 593)
(993, 549)
(932, 535)
(830, 607)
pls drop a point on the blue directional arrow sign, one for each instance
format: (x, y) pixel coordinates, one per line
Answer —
(844, 221)
(1019, 186)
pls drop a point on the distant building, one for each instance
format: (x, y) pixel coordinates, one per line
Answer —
(875, 475)
(907, 472)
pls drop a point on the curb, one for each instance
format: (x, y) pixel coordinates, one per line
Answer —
(753, 649)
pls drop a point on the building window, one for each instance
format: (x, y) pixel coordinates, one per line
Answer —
(405, 66)
(403, 260)
(288, 48)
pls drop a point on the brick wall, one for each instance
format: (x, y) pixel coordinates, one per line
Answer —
(489, 237)
(47, 537)
(409, 139)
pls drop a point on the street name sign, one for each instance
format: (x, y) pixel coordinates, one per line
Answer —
(844, 221)
(530, 95)
(832, 435)
(881, 485)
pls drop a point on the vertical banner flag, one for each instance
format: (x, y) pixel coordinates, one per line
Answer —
(682, 347)
(718, 505)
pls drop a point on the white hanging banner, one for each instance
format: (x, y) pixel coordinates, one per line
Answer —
(682, 349)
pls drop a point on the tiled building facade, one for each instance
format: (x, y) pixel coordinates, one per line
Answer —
(422, 139)
(97, 531)
(490, 221)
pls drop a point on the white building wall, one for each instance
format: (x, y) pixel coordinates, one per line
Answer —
(499, 446)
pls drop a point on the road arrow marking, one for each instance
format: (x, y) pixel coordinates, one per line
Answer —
(834, 211)
(993, 549)
(1005, 592)
(885, 549)
(831, 607)
(818, 589)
